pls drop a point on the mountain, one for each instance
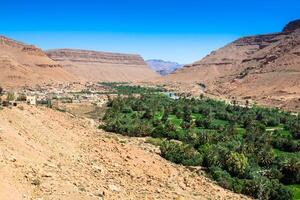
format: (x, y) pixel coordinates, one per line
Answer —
(22, 64)
(163, 67)
(264, 68)
(102, 66)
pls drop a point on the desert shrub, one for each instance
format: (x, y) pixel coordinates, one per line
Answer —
(21, 97)
(154, 141)
(10, 96)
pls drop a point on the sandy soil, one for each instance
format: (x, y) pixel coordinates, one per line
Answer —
(47, 154)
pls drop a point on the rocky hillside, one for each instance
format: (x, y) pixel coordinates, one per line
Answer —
(102, 66)
(265, 68)
(22, 64)
(47, 154)
(163, 67)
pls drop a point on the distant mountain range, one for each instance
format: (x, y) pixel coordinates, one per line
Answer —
(163, 67)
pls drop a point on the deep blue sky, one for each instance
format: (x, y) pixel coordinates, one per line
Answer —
(178, 30)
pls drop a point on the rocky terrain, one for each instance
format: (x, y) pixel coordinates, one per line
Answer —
(163, 67)
(264, 68)
(102, 66)
(47, 154)
(22, 64)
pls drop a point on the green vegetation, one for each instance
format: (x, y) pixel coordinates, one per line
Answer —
(254, 151)
(10, 96)
(154, 141)
(125, 89)
(296, 191)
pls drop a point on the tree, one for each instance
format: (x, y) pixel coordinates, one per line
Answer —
(237, 163)
(165, 116)
(185, 125)
(263, 188)
(291, 171)
(158, 131)
(180, 153)
(187, 114)
(148, 114)
(265, 156)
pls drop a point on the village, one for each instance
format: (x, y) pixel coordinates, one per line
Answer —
(53, 95)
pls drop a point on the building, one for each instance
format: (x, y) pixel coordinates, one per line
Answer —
(31, 100)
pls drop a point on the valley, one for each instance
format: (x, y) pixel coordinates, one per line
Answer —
(89, 124)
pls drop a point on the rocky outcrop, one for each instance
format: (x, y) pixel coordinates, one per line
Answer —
(256, 67)
(29, 49)
(102, 66)
(85, 56)
(163, 67)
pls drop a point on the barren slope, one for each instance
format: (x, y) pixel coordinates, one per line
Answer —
(102, 66)
(22, 64)
(265, 68)
(52, 155)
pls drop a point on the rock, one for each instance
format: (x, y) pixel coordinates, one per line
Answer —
(47, 175)
(12, 159)
(100, 194)
(114, 188)
(97, 168)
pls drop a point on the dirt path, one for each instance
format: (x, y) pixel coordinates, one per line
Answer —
(46, 154)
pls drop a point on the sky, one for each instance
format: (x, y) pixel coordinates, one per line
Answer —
(177, 30)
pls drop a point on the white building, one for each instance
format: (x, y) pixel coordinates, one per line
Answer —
(31, 100)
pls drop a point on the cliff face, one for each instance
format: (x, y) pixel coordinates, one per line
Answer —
(163, 67)
(22, 64)
(265, 68)
(102, 66)
(85, 56)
